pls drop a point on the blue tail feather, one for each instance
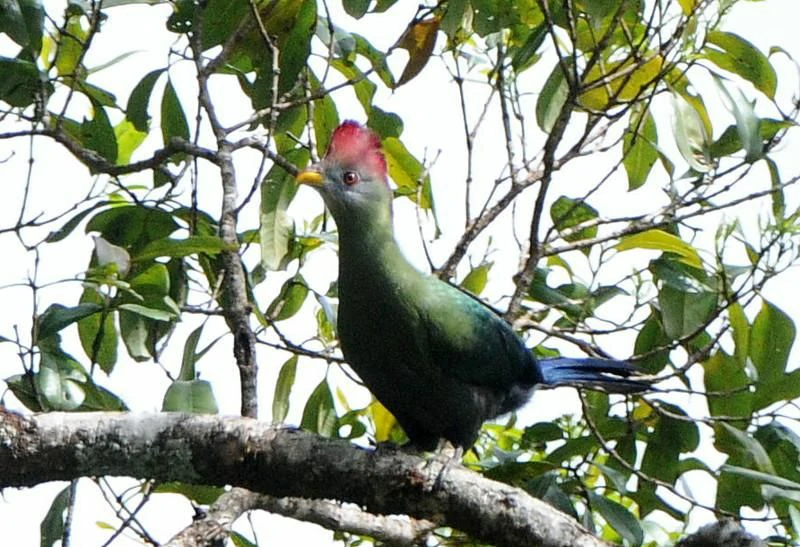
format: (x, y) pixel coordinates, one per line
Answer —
(606, 374)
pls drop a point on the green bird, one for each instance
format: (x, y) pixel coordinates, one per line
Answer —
(437, 358)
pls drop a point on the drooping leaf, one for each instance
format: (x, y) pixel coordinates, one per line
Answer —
(58, 316)
(23, 22)
(771, 338)
(567, 213)
(731, 52)
(290, 299)
(21, 82)
(552, 97)
(356, 8)
(419, 40)
(691, 135)
(195, 396)
(619, 517)
(283, 388)
(319, 414)
(747, 122)
(173, 118)
(683, 313)
(277, 191)
(51, 529)
(726, 382)
(639, 148)
(98, 333)
(60, 379)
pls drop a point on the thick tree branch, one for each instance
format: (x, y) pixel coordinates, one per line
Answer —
(275, 461)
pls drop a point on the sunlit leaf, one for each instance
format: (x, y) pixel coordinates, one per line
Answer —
(662, 241)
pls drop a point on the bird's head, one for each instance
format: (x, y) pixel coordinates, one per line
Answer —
(352, 177)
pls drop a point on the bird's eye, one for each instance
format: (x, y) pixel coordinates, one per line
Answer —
(350, 178)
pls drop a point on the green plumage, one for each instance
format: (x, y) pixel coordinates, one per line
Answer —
(439, 360)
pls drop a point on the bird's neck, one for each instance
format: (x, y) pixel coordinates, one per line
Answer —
(369, 255)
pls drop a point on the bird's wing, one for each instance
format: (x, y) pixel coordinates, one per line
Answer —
(469, 341)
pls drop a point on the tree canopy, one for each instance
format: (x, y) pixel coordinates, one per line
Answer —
(617, 178)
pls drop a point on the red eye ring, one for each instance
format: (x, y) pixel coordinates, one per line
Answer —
(350, 178)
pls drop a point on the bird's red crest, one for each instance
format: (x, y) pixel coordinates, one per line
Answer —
(353, 144)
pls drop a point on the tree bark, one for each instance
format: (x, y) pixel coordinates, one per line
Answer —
(278, 462)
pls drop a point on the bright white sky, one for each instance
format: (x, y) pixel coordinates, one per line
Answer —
(432, 125)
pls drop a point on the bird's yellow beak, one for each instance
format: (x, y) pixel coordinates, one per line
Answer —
(311, 176)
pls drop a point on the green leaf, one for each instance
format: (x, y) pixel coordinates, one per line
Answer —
(149, 313)
(23, 22)
(97, 134)
(51, 529)
(778, 199)
(405, 169)
(356, 8)
(619, 517)
(296, 46)
(195, 396)
(760, 476)
(733, 53)
(20, 82)
(283, 388)
(552, 98)
(650, 337)
(128, 140)
(290, 299)
(192, 245)
(199, 493)
(24, 388)
(136, 109)
(476, 279)
(726, 382)
(98, 333)
(684, 312)
(134, 328)
(326, 119)
(740, 331)
(662, 241)
(60, 380)
(151, 283)
(57, 316)
(671, 437)
(771, 339)
(132, 226)
(747, 445)
(319, 414)
(639, 147)
(747, 122)
(277, 191)
(566, 213)
(173, 119)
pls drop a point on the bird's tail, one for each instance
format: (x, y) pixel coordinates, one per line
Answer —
(594, 373)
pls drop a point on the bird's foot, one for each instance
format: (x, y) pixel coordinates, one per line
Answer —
(444, 458)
